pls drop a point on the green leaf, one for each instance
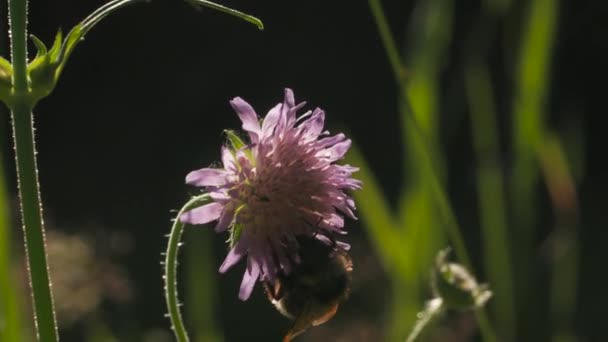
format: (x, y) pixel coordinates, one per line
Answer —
(40, 47)
(377, 218)
(236, 142)
(249, 18)
(56, 48)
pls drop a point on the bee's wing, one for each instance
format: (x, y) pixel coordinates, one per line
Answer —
(302, 322)
(327, 316)
(311, 315)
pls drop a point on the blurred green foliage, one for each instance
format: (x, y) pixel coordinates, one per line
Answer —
(10, 326)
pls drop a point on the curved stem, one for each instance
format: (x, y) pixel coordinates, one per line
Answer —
(431, 310)
(170, 277)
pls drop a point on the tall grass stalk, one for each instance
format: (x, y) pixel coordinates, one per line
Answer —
(491, 195)
(10, 314)
(201, 287)
(531, 88)
(424, 196)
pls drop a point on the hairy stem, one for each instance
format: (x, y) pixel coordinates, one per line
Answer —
(170, 277)
(27, 176)
(31, 213)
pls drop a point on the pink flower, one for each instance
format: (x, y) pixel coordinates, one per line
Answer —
(282, 185)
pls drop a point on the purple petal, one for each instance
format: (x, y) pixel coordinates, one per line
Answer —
(329, 242)
(219, 196)
(204, 214)
(225, 219)
(330, 141)
(314, 125)
(343, 245)
(207, 177)
(235, 255)
(339, 150)
(270, 121)
(228, 159)
(249, 279)
(289, 100)
(335, 220)
(248, 117)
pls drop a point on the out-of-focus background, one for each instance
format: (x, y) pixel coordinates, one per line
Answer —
(505, 105)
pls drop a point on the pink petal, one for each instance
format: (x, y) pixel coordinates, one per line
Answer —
(330, 141)
(225, 219)
(339, 150)
(219, 196)
(270, 121)
(228, 159)
(235, 255)
(249, 279)
(204, 214)
(314, 125)
(248, 117)
(289, 100)
(207, 177)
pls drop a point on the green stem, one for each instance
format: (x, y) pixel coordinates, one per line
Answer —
(31, 212)
(10, 313)
(491, 195)
(18, 22)
(27, 176)
(170, 277)
(390, 47)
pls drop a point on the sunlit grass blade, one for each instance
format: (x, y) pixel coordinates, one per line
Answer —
(392, 247)
(418, 101)
(565, 249)
(10, 314)
(491, 196)
(375, 214)
(201, 287)
(531, 88)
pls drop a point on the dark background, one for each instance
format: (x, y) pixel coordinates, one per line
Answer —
(144, 100)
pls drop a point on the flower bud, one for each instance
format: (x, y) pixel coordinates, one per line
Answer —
(6, 82)
(456, 286)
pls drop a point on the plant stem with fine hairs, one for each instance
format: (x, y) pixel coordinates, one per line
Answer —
(170, 277)
(27, 176)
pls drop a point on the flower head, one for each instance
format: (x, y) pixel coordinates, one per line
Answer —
(283, 184)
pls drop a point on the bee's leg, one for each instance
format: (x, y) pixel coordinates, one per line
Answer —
(273, 290)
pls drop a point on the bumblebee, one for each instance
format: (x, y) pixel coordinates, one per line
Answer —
(318, 282)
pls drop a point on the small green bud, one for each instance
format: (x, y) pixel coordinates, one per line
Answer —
(456, 286)
(6, 79)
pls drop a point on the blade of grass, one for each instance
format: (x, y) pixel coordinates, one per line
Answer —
(10, 325)
(531, 87)
(393, 250)
(564, 242)
(375, 215)
(201, 287)
(491, 195)
(420, 85)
